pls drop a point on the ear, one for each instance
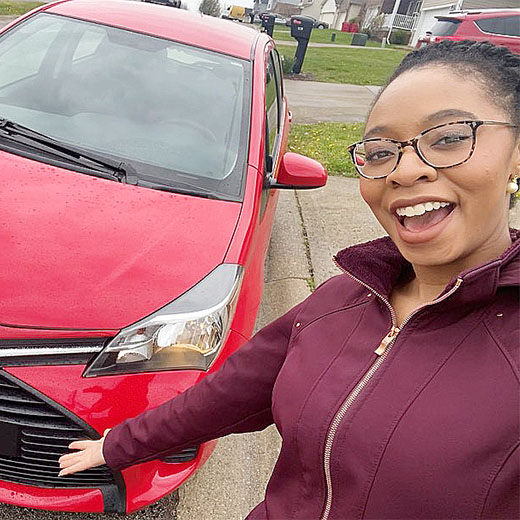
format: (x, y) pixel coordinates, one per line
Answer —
(515, 163)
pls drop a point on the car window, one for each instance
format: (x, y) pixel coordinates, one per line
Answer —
(445, 27)
(504, 25)
(175, 113)
(273, 102)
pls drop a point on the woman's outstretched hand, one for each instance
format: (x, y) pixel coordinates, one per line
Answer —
(89, 455)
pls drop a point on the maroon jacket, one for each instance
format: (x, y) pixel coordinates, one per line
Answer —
(428, 427)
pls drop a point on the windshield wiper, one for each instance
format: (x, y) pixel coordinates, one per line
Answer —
(121, 171)
(176, 186)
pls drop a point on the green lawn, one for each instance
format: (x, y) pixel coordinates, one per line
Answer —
(8, 8)
(354, 66)
(322, 36)
(327, 143)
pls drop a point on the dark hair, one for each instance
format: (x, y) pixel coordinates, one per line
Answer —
(496, 68)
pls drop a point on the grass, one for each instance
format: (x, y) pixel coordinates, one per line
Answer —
(8, 8)
(327, 143)
(322, 36)
(354, 66)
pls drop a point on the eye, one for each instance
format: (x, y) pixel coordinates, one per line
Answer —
(451, 139)
(379, 154)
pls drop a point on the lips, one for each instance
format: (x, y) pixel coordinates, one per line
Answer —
(421, 221)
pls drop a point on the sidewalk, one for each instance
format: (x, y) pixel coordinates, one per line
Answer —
(314, 101)
(4, 20)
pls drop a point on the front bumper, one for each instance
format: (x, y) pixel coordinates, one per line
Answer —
(142, 486)
(38, 397)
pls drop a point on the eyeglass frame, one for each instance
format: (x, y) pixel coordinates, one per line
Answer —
(474, 125)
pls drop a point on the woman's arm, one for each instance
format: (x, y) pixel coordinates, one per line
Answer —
(235, 399)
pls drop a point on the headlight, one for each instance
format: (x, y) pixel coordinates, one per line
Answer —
(187, 333)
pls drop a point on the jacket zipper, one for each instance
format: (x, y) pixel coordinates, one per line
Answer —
(382, 351)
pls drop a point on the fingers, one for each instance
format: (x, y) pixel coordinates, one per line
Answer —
(80, 445)
(67, 457)
(89, 455)
(74, 468)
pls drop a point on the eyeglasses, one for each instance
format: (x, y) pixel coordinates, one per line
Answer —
(442, 146)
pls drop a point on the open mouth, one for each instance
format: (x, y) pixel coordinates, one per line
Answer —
(421, 217)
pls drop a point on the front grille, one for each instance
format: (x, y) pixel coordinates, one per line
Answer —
(44, 430)
(64, 351)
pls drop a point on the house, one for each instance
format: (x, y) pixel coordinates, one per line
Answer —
(383, 16)
(324, 10)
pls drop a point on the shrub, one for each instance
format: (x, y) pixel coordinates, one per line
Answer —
(210, 7)
(400, 37)
(287, 63)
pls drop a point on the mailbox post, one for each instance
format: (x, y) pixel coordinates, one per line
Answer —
(268, 23)
(301, 28)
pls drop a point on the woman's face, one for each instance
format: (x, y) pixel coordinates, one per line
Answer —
(474, 226)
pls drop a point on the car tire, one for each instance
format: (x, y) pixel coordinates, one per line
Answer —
(320, 26)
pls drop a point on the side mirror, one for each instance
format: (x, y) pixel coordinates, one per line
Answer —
(298, 172)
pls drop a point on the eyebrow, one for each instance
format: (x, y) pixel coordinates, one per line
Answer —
(436, 116)
(451, 112)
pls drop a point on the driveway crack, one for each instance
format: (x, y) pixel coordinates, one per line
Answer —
(311, 282)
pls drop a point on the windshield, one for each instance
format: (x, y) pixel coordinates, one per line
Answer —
(174, 112)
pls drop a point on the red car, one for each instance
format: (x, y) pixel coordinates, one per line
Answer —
(141, 153)
(498, 26)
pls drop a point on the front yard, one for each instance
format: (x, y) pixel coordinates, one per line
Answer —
(327, 143)
(341, 65)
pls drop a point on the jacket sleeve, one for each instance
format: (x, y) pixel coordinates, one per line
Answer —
(234, 399)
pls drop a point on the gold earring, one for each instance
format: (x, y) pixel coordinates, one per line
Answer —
(512, 186)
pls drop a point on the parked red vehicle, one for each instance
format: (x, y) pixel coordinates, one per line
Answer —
(141, 153)
(498, 26)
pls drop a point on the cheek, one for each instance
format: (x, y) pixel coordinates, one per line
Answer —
(371, 192)
(484, 178)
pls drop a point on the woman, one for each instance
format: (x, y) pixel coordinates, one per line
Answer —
(395, 385)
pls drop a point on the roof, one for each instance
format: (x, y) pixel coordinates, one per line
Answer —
(166, 22)
(481, 13)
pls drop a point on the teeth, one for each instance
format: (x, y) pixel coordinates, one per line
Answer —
(420, 209)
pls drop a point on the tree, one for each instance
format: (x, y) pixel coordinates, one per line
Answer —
(210, 7)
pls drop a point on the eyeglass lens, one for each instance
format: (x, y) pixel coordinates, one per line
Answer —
(441, 147)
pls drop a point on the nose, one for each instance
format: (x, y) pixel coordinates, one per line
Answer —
(411, 169)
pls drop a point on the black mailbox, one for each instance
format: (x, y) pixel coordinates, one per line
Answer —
(301, 28)
(268, 23)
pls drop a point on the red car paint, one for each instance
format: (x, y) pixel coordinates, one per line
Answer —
(483, 25)
(82, 260)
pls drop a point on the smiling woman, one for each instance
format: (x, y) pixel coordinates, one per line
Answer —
(395, 385)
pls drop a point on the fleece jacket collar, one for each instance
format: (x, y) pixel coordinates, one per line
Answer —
(380, 265)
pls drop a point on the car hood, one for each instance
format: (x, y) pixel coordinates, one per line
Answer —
(83, 252)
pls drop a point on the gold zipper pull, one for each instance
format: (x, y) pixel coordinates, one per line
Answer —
(394, 331)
